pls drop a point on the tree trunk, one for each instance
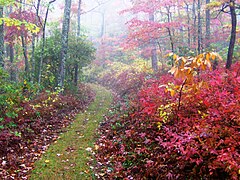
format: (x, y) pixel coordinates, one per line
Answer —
(194, 22)
(24, 48)
(79, 18)
(153, 47)
(160, 55)
(43, 43)
(199, 47)
(1, 40)
(76, 67)
(233, 34)
(208, 17)
(170, 34)
(65, 30)
(13, 69)
(188, 28)
(33, 40)
(103, 24)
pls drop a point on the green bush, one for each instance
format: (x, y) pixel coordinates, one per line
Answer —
(80, 52)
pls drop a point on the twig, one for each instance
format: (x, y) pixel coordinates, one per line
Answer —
(180, 94)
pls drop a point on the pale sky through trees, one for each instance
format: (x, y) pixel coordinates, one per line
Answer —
(93, 14)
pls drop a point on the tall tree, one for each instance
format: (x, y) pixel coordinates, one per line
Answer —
(199, 44)
(169, 31)
(233, 33)
(10, 53)
(34, 38)
(153, 46)
(76, 67)
(208, 17)
(25, 55)
(65, 31)
(188, 22)
(24, 44)
(194, 17)
(1, 39)
(39, 76)
(79, 17)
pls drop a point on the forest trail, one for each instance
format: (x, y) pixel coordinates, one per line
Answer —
(67, 157)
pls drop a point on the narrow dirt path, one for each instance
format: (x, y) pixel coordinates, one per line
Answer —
(67, 157)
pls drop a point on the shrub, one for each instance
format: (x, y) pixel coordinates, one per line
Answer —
(160, 139)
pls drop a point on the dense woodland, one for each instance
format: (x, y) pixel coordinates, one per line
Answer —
(172, 68)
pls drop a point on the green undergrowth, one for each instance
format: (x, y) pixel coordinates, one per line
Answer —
(68, 157)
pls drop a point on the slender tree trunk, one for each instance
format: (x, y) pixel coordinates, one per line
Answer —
(194, 21)
(1, 40)
(43, 42)
(76, 67)
(10, 54)
(170, 34)
(199, 28)
(188, 28)
(208, 17)
(24, 48)
(161, 55)
(13, 69)
(65, 30)
(103, 24)
(171, 42)
(34, 39)
(153, 46)
(181, 28)
(233, 34)
(79, 18)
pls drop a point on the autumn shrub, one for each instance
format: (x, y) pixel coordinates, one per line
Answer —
(164, 138)
(12, 94)
(125, 79)
(9, 96)
(37, 124)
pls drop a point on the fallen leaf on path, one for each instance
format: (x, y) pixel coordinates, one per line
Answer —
(89, 149)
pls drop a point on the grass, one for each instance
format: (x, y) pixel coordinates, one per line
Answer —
(68, 157)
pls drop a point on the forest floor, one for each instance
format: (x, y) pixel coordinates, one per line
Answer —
(68, 156)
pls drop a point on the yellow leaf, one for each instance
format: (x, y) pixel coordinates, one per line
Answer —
(159, 125)
(47, 161)
(182, 64)
(203, 66)
(198, 63)
(174, 56)
(172, 92)
(200, 55)
(96, 147)
(169, 54)
(184, 59)
(208, 63)
(176, 73)
(208, 57)
(213, 56)
(172, 71)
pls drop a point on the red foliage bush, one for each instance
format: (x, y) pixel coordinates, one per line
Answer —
(160, 140)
